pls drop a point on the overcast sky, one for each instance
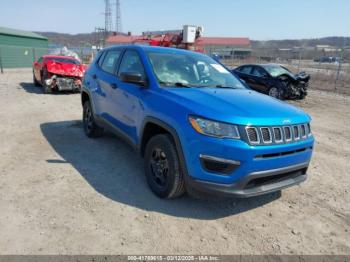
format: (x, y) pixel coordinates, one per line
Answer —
(256, 19)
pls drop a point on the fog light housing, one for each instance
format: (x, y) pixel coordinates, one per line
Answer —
(218, 165)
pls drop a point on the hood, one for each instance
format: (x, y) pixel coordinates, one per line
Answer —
(303, 76)
(65, 69)
(237, 106)
(288, 74)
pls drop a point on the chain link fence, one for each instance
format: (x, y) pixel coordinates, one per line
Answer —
(329, 71)
(86, 54)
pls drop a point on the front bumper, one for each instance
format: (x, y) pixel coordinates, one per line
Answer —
(254, 184)
(68, 84)
(248, 170)
(63, 83)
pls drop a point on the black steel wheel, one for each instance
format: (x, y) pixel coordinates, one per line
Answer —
(162, 167)
(159, 167)
(91, 129)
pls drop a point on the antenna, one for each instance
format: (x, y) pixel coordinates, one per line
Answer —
(118, 18)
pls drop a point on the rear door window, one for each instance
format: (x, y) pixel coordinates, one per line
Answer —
(246, 70)
(110, 61)
(257, 71)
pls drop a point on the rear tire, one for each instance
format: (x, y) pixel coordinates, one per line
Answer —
(35, 82)
(162, 167)
(91, 128)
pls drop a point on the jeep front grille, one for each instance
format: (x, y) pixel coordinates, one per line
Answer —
(266, 135)
(303, 131)
(277, 134)
(296, 132)
(253, 136)
(287, 133)
(277, 131)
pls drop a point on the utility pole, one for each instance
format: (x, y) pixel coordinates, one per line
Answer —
(100, 37)
(108, 17)
(118, 18)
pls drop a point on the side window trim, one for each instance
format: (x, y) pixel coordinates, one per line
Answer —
(117, 66)
(99, 61)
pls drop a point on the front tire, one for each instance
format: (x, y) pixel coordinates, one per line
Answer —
(301, 97)
(46, 88)
(303, 94)
(91, 128)
(275, 92)
(162, 167)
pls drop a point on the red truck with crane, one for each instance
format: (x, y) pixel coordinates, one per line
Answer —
(183, 39)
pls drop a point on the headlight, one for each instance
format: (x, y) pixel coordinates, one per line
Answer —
(213, 128)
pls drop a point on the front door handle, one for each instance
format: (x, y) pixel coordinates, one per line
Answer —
(114, 86)
(94, 76)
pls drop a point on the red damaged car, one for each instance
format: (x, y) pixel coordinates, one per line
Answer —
(58, 73)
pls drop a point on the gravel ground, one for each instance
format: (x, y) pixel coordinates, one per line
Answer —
(62, 193)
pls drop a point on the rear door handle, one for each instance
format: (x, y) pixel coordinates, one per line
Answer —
(114, 86)
(94, 76)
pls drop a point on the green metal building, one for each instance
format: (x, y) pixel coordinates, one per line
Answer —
(18, 49)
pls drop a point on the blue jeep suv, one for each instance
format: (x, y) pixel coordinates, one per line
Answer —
(197, 127)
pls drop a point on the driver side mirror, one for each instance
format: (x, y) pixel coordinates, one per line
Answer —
(133, 77)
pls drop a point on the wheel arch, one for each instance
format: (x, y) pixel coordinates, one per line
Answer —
(151, 124)
(84, 97)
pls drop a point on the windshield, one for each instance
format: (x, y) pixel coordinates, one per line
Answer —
(275, 70)
(65, 60)
(191, 70)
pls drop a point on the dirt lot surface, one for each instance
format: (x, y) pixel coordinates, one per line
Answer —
(62, 193)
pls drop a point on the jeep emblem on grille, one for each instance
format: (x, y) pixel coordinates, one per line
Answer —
(286, 121)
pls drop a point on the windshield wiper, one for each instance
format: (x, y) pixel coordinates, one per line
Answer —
(222, 86)
(182, 84)
(219, 86)
(177, 84)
